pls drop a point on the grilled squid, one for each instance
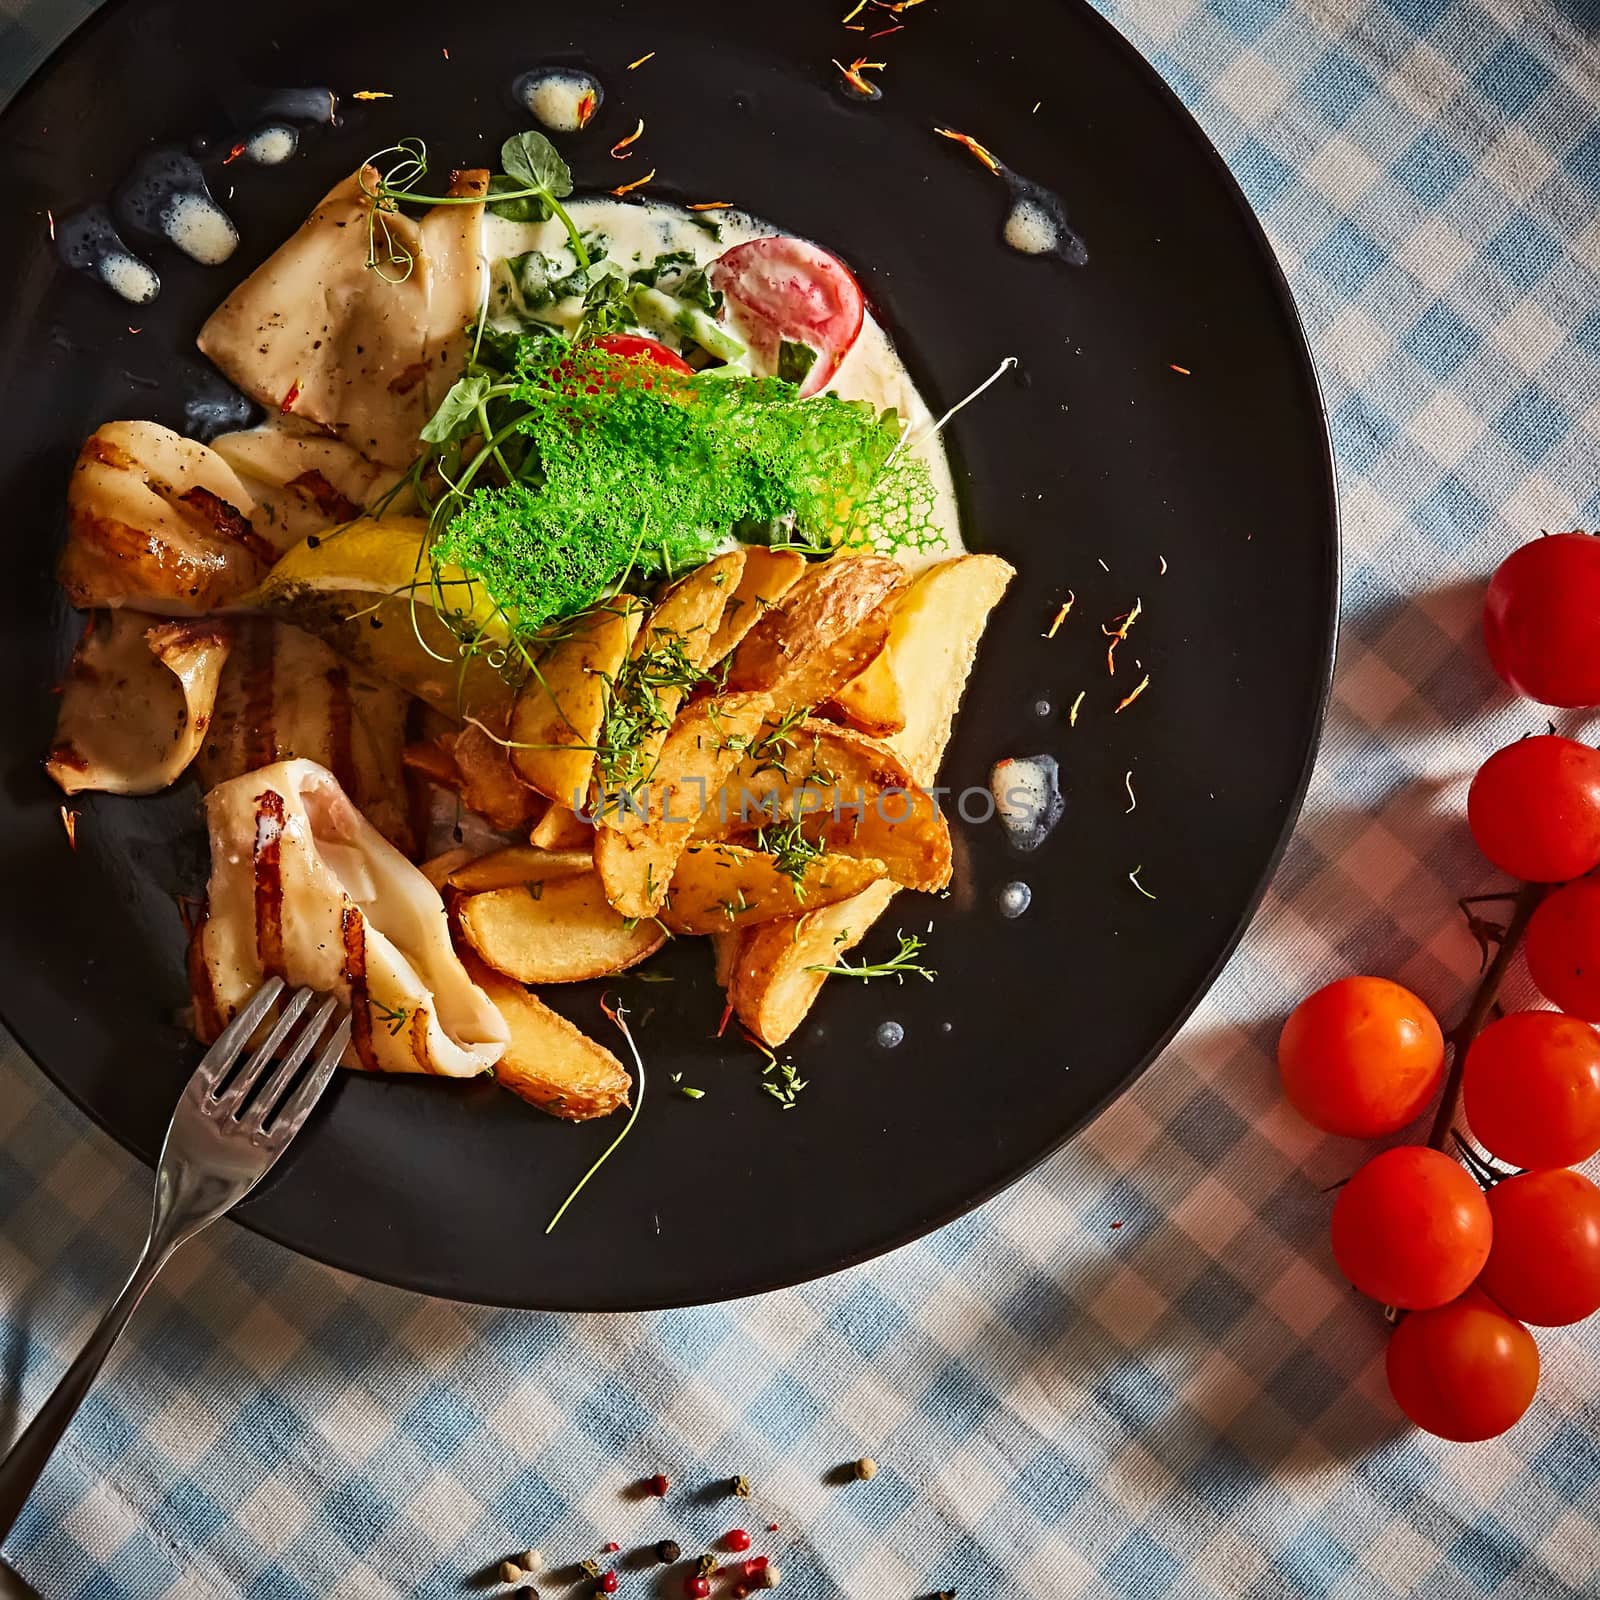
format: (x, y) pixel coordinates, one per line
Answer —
(305, 888)
(156, 522)
(316, 333)
(136, 702)
(284, 694)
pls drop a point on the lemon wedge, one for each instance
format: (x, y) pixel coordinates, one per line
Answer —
(371, 591)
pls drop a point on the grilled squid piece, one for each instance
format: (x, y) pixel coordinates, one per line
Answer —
(301, 480)
(136, 702)
(305, 888)
(316, 333)
(156, 522)
(285, 694)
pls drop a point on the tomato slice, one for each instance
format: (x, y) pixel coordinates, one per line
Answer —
(635, 347)
(785, 290)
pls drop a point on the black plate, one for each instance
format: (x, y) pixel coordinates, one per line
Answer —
(1102, 457)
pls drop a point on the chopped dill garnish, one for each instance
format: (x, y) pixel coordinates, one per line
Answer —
(897, 966)
(635, 711)
(791, 851)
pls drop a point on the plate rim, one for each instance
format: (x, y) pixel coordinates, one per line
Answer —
(1301, 351)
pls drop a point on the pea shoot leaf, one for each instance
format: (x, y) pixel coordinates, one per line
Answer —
(457, 415)
(535, 163)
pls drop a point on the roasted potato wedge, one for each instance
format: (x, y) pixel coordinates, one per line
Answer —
(872, 700)
(549, 1062)
(644, 831)
(489, 783)
(692, 608)
(821, 634)
(718, 887)
(560, 829)
(850, 792)
(561, 930)
(781, 966)
(933, 638)
(561, 709)
(517, 863)
(768, 575)
(724, 952)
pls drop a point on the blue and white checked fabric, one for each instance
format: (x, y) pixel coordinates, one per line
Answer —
(1188, 1404)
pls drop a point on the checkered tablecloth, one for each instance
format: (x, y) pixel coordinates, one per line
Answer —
(1187, 1404)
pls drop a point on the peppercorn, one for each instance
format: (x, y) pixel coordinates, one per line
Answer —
(526, 1592)
(706, 1565)
(509, 1571)
(755, 1566)
(770, 1576)
(612, 1547)
(739, 1486)
(659, 1484)
(740, 1591)
(866, 1468)
(608, 1584)
(531, 1560)
(697, 1588)
(736, 1539)
(668, 1551)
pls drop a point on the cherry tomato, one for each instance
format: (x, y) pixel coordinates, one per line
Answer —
(635, 347)
(1563, 948)
(781, 289)
(1411, 1228)
(1544, 1266)
(1541, 620)
(1534, 809)
(1361, 1057)
(1464, 1371)
(1532, 1089)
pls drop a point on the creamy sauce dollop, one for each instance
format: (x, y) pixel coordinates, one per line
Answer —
(556, 97)
(272, 146)
(1027, 798)
(637, 233)
(90, 242)
(166, 194)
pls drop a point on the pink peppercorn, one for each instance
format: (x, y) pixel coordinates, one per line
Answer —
(608, 1582)
(612, 1547)
(659, 1484)
(736, 1539)
(755, 1566)
(697, 1588)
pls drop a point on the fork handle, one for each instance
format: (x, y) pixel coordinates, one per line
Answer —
(25, 1462)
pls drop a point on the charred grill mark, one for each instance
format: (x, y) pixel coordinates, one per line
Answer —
(419, 1039)
(258, 730)
(409, 378)
(268, 872)
(96, 448)
(353, 931)
(67, 758)
(211, 515)
(324, 496)
(341, 753)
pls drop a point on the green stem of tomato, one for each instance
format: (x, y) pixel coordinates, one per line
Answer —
(1526, 901)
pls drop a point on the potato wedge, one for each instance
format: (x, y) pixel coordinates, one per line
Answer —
(775, 973)
(517, 863)
(691, 610)
(559, 712)
(489, 783)
(719, 887)
(438, 868)
(933, 637)
(724, 952)
(872, 700)
(550, 1063)
(560, 829)
(645, 830)
(431, 759)
(821, 634)
(559, 931)
(849, 791)
(768, 575)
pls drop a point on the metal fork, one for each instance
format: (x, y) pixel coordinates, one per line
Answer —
(222, 1141)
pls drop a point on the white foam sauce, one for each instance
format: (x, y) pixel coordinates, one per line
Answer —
(1031, 229)
(889, 1035)
(1027, 796)
(1014, 899)
(271, 147)
(554, 97)
(638, 233)
(130, 277)
(200, 228)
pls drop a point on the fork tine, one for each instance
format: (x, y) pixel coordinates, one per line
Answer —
(214, 1064)
(293, 1059)
(229, 1102)
(298, 1106)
